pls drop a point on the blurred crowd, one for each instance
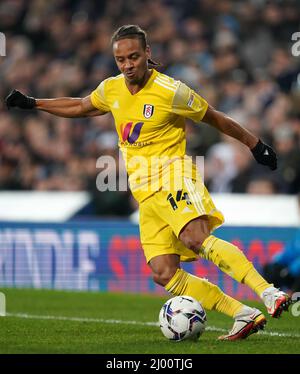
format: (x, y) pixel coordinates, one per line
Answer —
(236, 54)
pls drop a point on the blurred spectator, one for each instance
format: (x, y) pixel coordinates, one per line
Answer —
(262, 186)
(220, 168)
(289, 158)
(284, 69)
(245, 169)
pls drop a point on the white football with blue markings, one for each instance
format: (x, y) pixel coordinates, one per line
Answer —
(182, 317)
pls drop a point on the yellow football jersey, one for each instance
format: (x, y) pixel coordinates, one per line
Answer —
(151, 127)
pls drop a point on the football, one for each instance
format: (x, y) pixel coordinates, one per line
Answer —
(182, 317)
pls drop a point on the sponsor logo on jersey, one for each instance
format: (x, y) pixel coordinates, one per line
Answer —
(148, 110)
(131, 132)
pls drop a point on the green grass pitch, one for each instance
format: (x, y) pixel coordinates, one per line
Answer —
(40, 321)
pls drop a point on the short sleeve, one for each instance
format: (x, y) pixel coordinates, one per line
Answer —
(98, 98)
(187, 103)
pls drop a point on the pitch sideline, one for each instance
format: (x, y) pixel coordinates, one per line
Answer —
(138, 323)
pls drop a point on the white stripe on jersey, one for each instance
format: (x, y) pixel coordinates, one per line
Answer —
(166, 78)
(194, 195)
(167, 82)
(163, 85)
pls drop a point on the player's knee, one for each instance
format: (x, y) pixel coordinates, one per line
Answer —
(194, 233)
(163, 277)
(193, 241)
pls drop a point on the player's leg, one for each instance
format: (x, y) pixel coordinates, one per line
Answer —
(161, 218)
(167, 273)
(231, 260)
(163, 252)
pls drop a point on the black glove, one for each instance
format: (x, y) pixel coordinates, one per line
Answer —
(19, 100)
(265, 155)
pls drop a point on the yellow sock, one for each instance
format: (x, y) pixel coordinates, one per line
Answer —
(256, 282)
(209, 295)
(232, 261)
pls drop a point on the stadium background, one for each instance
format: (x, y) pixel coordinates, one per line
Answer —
(237, 54)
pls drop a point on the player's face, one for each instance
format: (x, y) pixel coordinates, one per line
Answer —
(131, 59)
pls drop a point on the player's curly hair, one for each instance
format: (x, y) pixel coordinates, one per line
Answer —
(132, 32)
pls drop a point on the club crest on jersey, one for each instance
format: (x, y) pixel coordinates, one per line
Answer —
(148, 110)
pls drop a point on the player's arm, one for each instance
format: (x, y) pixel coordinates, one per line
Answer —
(229, 127)
(68, 107)
(263, 153)
(188, 103)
